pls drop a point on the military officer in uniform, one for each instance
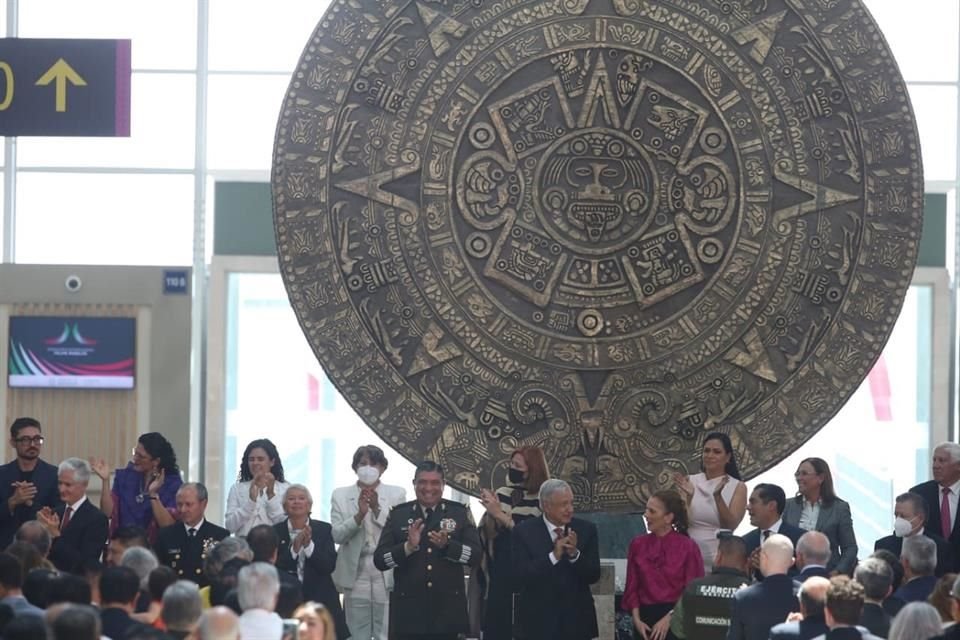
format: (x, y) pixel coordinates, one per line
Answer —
(183, 546)
(427, 542)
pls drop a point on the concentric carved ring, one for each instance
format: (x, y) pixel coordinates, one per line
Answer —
(604, 227)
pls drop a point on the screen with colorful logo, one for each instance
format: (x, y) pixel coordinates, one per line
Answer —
(78, 352)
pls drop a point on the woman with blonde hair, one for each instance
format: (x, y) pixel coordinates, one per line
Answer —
(316, 623)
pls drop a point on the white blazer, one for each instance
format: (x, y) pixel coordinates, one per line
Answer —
(349, 535)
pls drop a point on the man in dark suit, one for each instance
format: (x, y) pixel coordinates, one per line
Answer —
(756, 609)
(265, 543)
(813, 597)
(765, 506)
(910, 512)
(78, 529)
(919, 560)
(876, 576)
(812, 555)
(119, 589)
(183, 546)
(556, 558)
(944, 490)
(427, 543)
(27, 484)
(843, 609)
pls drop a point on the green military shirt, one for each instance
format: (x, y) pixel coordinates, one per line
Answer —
(703, 612)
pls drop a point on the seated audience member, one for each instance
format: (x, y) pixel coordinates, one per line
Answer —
(233, 551)
(316, 623)
(219, 623)
(119, 589)
(942, 598)
(70, 589)
(306, 551)
(28, 556)
(910, 513)
(143, 562)
(36, 534)
(919, 560)
(812, 554)
(183, 545)
(765, 507)
(225, 585)
(11, 584)
(813, 597)
(876, 577)
(25, 628)
(703, 612)
(264, 542)
(257, 590)
(77, 528)
(843, 609)
(756, 609)
(144, 492)
(257, 496)
(181, 609)
(121, 540)
(75, 622)
(36, 587)
(953, 632)
(891, 605)
(660, 564)
(157, 582)
(916, 621)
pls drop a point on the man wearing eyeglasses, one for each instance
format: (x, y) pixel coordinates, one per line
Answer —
(27, 484)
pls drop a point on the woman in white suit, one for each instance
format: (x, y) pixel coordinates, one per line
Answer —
(357, 514)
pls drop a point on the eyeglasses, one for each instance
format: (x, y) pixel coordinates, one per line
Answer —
(29, 440)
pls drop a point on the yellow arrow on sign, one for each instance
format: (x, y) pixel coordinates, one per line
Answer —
(61, 72)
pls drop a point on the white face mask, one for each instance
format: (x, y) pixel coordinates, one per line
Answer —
(902, 527)
(367, 474)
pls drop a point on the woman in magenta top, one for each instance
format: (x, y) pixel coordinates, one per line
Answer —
(660, 564)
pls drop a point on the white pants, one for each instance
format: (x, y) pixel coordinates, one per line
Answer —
(366, 605)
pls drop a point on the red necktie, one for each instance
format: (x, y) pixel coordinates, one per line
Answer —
(66, 518)
(559, 532)
(945, 525)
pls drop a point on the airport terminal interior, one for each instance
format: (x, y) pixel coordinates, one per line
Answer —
(220, 357)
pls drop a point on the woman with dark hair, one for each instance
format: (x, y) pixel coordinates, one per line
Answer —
(506, 508)
(660, 564)
(716, 498)
(144, 493)
(816, 507)
(257, 496)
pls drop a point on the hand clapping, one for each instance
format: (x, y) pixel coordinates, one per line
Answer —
(303, 539)
(50, 520)
(414, 532)
(439, 539)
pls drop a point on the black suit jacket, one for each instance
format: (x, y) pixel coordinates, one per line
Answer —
(555, 600)
(80, 543)
(875, 619)
(758, 608)
(48, 495)
(317, 569)
(185, 555)
(945, 562)
(810, 627)
(930, 490)
(917, 590)
(117, 623)
(753, 538)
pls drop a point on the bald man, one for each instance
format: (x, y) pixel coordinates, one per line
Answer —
(756, 609)
(813, 598)
(813, 554)
(219, 623)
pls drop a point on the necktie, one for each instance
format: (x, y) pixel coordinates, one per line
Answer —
(766, 533)
(191, 532)
(945, 524)
(66, 518)
(559, 532)
(427, 514)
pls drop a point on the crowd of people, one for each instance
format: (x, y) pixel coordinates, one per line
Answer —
(146, 563)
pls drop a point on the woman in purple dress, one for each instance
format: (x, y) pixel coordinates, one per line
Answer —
(144, 493)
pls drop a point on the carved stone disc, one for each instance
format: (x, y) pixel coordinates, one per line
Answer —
(605, 227)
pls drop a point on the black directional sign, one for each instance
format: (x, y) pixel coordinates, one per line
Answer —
(64, 87)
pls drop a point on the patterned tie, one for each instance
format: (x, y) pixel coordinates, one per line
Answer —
(66, 518)
(945, 524)
(559, 532)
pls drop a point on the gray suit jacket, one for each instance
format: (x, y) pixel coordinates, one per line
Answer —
(836, 523)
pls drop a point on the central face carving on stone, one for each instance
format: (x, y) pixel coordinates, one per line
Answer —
(595, 187)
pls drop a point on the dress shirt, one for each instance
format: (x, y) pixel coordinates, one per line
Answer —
(305, 551)
(260, 624)
(774, 528)
(953, 498)
(553, 538)
(659, 568)
(196, 527)
(73, 509)
(809, 515)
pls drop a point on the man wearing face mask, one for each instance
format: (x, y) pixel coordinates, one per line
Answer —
(910, 512)
(357, 515)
